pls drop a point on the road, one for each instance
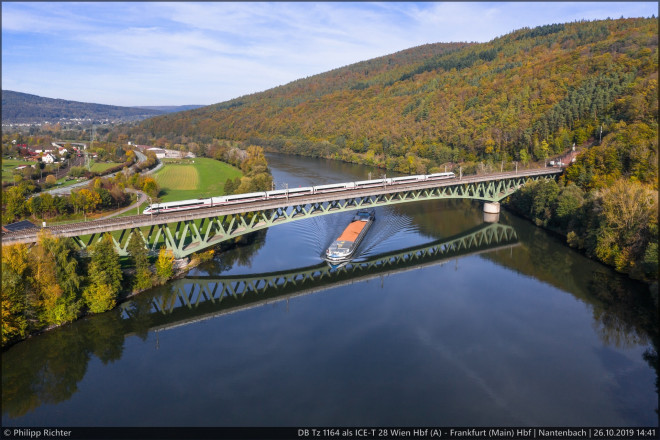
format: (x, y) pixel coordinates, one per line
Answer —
(67, 189)
(142, 196)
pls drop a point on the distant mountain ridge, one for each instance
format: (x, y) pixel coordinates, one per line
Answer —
(20, 108)
(170, 108)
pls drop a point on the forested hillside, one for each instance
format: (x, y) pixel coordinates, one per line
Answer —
(525, 95)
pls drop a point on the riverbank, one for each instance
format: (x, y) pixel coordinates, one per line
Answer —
(180, 268)
(564, 325)
(547, 205)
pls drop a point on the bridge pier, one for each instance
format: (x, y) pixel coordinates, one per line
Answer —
(491, 212)
(195, 230)
(492, 208)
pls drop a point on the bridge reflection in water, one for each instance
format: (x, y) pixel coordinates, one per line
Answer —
(199, 298)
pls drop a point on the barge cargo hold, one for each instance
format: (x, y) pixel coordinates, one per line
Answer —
(344, 247)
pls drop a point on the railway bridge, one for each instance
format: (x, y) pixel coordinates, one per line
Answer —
(187, 232)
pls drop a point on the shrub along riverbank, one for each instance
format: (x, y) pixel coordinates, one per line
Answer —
(50, 284)
(617, 224)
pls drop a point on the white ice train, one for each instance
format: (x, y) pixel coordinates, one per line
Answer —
(184, 205)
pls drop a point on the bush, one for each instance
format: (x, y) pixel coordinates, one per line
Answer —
(50, 180)
(99, 298)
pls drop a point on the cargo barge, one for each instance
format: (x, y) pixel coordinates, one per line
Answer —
(344, 247)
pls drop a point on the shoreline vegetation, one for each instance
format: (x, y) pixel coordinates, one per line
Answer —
(49, 284)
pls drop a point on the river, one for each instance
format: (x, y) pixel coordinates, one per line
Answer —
(523, 333)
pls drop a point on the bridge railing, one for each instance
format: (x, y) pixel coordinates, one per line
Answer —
(192, 231)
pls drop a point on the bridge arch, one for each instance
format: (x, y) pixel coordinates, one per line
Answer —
(188, 232)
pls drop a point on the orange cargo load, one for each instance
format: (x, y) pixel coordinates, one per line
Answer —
(352, 231)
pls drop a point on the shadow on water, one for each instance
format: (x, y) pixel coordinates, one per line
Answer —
(48, 368)
(624, 311)
(354, 353)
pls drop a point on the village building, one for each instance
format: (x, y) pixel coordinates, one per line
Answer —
(48, 158)
(159, 152)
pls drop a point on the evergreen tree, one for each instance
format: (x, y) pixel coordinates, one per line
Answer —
(229, 186)
(104, 275)
(66, 305)
(139, 254)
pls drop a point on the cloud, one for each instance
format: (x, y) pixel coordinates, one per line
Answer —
(147, 53)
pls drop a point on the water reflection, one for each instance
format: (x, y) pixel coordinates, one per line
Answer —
(624, 311)
(48, 368)
(203, 297)
(506, 336)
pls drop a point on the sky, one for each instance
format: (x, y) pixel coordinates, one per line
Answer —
(180, 53)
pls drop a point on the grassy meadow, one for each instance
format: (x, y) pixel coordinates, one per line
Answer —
(99, 167)
(201, 177)
(8, 166)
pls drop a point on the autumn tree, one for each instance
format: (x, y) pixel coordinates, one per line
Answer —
(104, 275)
(14, 202)
(15, 283)
(165, 264)
(51, 180)
(150, 187)
(629, 215)
(89, 200)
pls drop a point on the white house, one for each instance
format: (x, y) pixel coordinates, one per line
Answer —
(48, 158)
(160, 153)
(44, 150)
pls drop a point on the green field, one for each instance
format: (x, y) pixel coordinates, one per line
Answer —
(99, 167)
(8, 166)
(193, 178)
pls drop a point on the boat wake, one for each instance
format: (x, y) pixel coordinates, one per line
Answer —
(391, 230)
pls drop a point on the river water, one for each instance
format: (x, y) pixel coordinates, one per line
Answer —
(522, 333)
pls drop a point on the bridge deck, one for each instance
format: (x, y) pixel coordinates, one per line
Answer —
(137, 221)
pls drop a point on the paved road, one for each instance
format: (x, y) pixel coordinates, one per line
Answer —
(67, 190)
(143, 198)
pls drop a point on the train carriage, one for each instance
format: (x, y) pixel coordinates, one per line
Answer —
(283, 193)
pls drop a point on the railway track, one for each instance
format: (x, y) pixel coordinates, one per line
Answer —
(142, 220)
